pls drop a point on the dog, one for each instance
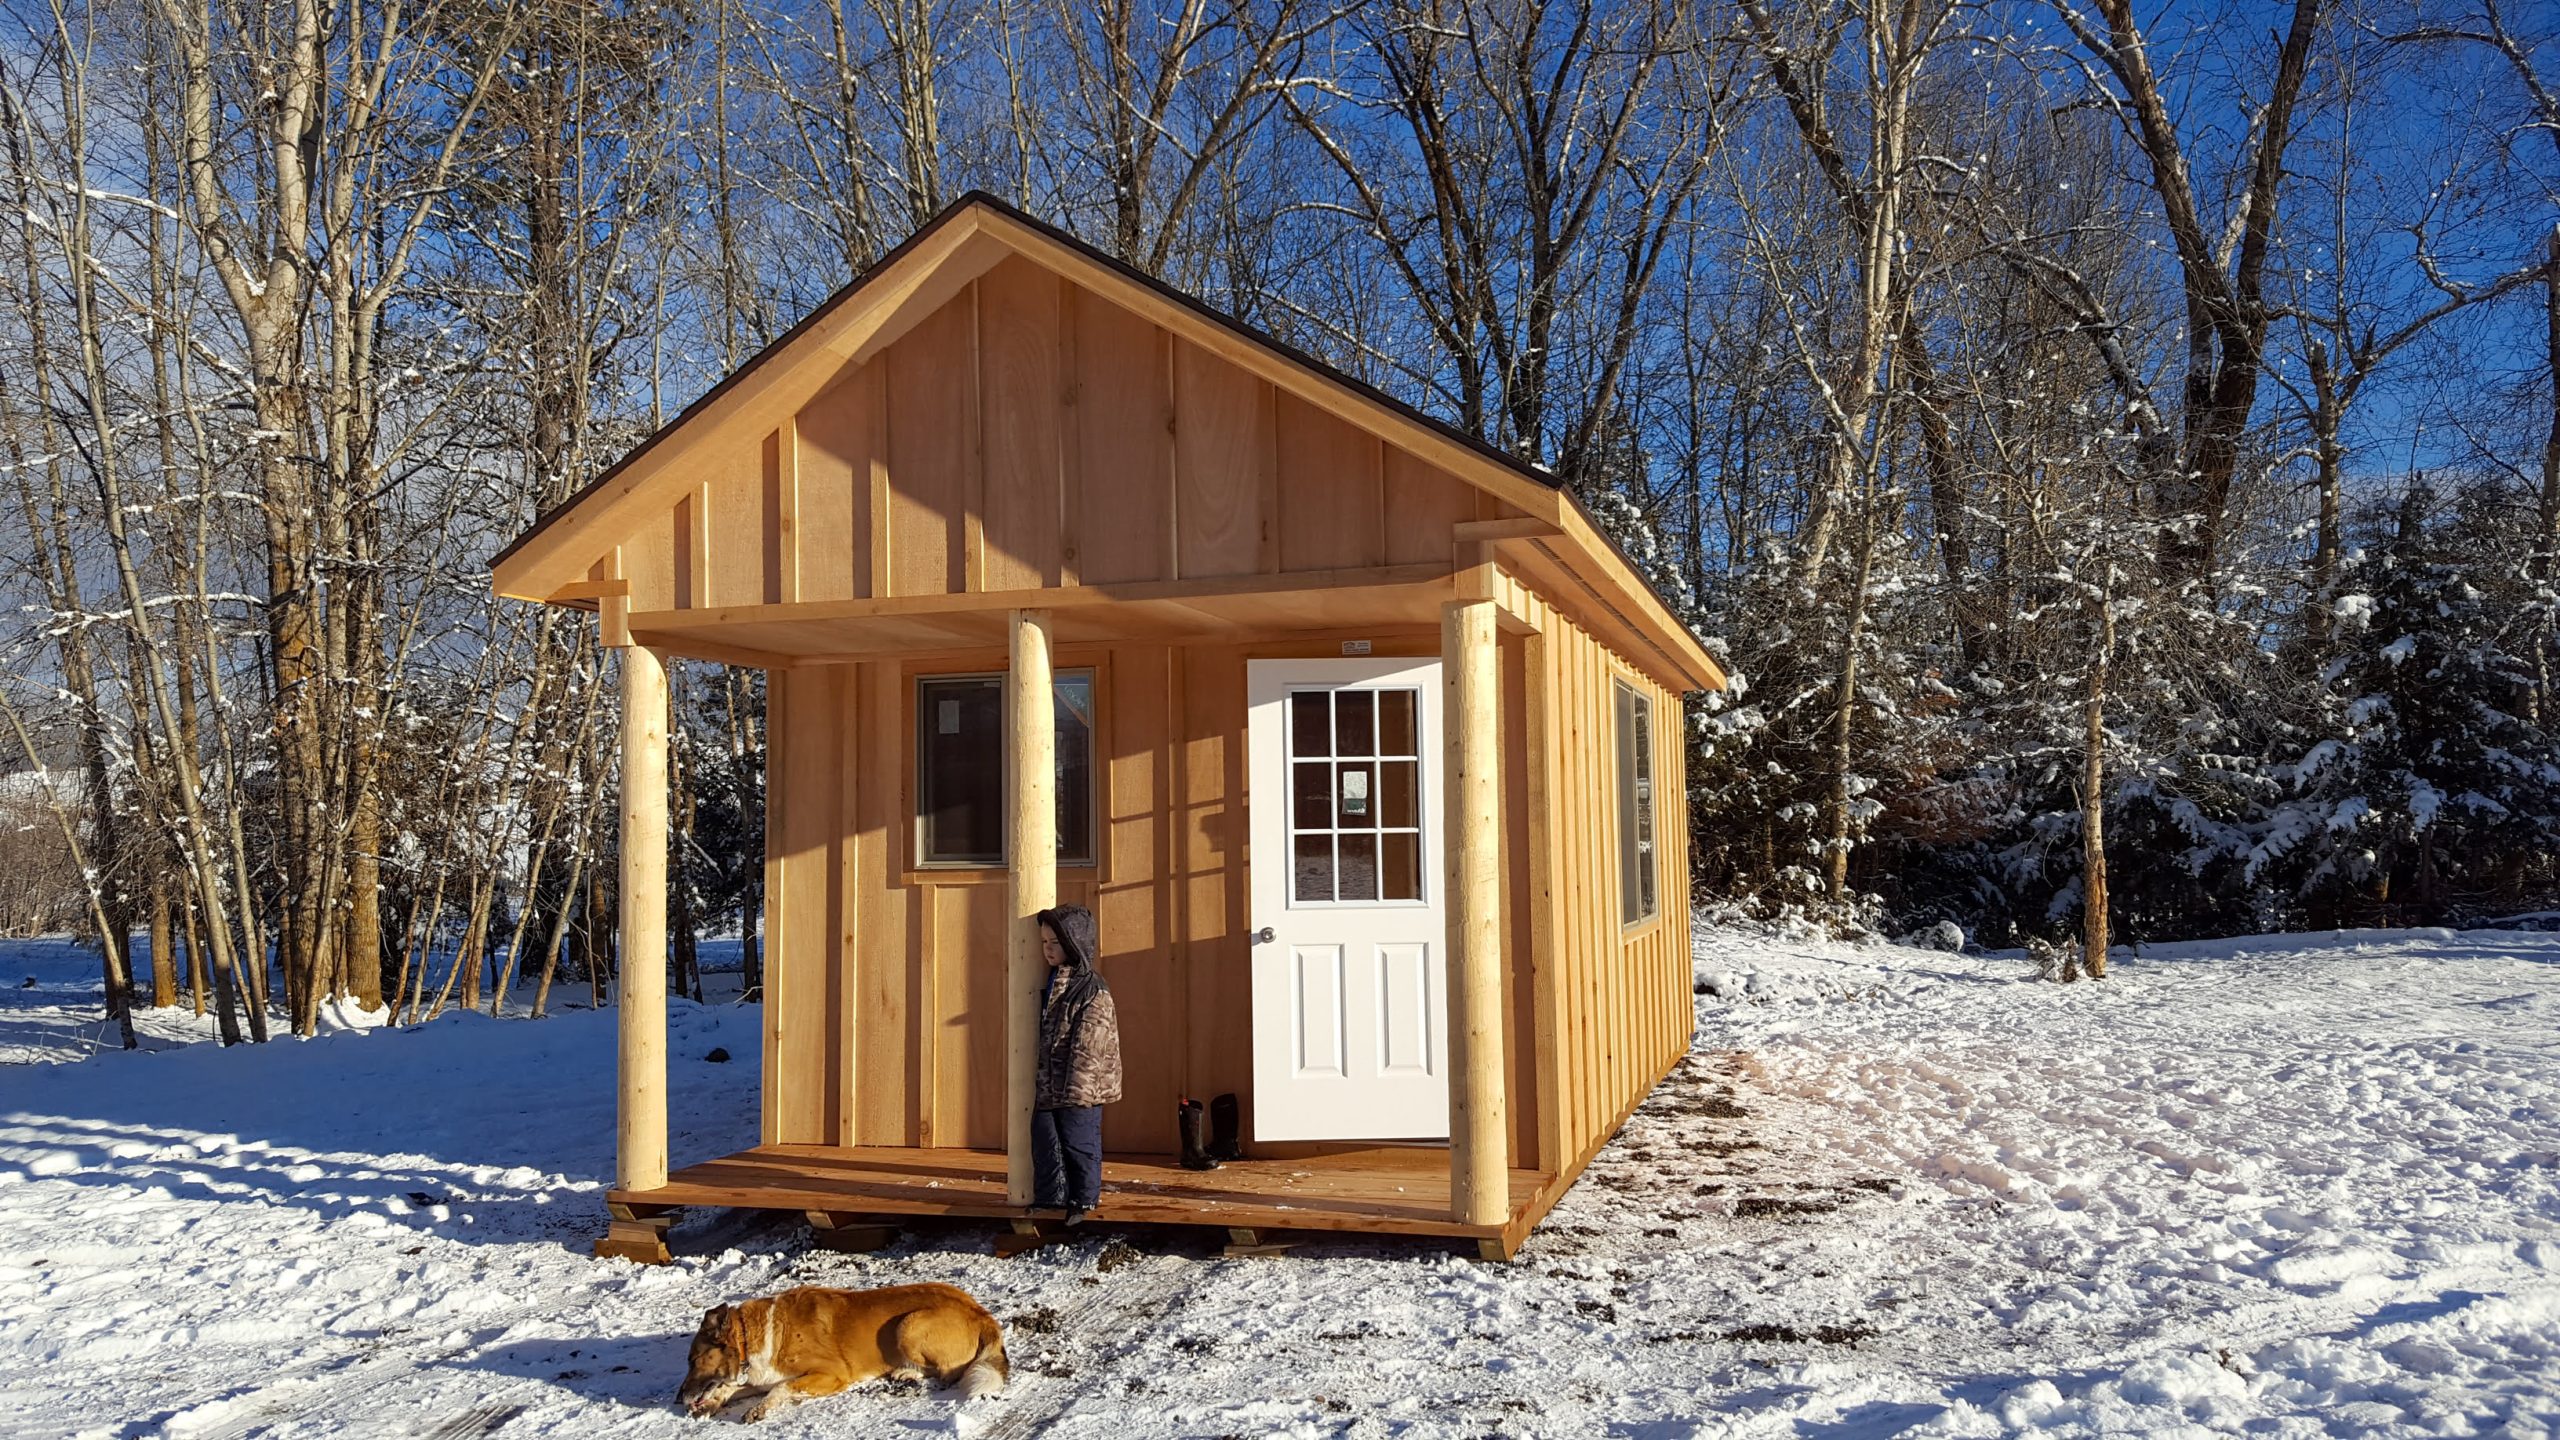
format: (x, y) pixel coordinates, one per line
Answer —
(814, 1341)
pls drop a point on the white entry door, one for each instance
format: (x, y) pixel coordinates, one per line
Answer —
(1350, 1000)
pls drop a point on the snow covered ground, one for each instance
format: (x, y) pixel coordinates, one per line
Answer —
(2297, 1186)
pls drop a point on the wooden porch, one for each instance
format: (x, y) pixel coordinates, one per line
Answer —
(1376, 1190)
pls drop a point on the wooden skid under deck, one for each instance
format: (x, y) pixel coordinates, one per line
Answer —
(1389, 1191)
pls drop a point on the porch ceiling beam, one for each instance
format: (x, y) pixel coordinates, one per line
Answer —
(1063, 597)
(695, 645)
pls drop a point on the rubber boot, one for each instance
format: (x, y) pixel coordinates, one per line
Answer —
(1226, 1129)
(1195, 1137)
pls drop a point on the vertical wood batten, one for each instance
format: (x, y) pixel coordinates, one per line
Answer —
(782, 582)
(641, 1057)
(1547, 1057)
(778, 939)
(1031, 851)
(1479, 1160)
(973, 508)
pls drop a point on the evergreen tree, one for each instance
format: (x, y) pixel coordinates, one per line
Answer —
(2434, 793)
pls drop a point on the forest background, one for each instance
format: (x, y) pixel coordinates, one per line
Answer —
(2114, 449)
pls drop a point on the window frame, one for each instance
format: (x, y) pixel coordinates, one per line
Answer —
(919, 685)
(1636, 804)
(1424, 830)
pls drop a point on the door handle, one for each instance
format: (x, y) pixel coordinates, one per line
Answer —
(1262, 936)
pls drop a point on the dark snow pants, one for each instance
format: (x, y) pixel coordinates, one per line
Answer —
(1066, 1157)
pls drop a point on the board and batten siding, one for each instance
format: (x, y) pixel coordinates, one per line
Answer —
(1031, 434)
(883, 1008)
(883, 1012)
(1616, 1007)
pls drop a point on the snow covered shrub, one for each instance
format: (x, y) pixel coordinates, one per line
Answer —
(1765, 766)
(2431, 790)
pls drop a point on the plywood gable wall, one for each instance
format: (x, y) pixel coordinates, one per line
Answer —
(1028, 434)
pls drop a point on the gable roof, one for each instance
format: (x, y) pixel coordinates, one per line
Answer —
(968, 238)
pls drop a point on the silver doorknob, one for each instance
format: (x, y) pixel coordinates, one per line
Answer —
(1263, 936)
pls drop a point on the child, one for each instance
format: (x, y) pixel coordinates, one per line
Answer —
(1079, 1067)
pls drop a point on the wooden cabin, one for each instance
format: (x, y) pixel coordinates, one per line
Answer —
(1360, 740)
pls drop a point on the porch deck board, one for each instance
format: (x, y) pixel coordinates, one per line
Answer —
(1387, 1190)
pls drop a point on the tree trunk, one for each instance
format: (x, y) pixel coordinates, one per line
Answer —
(2547, 558)
(360, 946)
(2093, 803)
(556, 938)
(2329, 455)
(226, 997)
(467, 962)
(195, 961)
(601, 927)
(1844, 726)
(164, 958)
(687, 958)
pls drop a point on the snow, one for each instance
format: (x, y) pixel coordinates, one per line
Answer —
(2302, 1185)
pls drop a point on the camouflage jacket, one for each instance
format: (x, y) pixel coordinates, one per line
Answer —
(1079, 1029)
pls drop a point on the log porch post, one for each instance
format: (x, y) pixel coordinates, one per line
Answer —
(1479, 1159)
(1031, 858)
(641, 1059)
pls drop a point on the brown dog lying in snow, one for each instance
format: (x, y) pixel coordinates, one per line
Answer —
(814, 1341)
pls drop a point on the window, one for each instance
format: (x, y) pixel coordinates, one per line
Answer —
(1355, 786)
(1636, 898)
(960, 781)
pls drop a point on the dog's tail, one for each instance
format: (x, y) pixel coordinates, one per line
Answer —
(988, 1369)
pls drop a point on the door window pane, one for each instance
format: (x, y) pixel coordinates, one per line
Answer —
(960, 784)
(1359, 867)
(1314, 791)
(1356, 795)
(1400, 866)
(1395, 722)
(1399, 794)
(1355, 822)
(1313, 870)
(1355, 726)
(1311, 724)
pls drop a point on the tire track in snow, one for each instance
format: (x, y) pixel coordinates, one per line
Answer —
(1128, 1307)
(300, 1389)
(302, 1386)
(474, 1423)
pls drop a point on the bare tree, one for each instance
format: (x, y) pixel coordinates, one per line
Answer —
(1535, 170)
(2223, 271)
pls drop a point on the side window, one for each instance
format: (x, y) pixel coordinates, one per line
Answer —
(960, 790)
(1637, 900)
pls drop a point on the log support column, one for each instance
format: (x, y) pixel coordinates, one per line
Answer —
(643, 1054)
(1479, 1159)
(1031, 854)
(640, 1153)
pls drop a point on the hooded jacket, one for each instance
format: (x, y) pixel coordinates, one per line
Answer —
(1079, 1029)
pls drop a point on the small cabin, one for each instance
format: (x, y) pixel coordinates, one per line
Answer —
(1360, 740)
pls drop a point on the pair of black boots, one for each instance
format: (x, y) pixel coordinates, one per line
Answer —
(1210, 1136)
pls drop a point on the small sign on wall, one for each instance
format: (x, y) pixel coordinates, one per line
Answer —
(1355, 647)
